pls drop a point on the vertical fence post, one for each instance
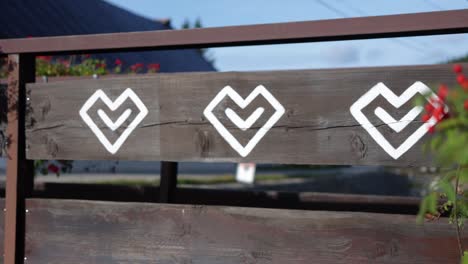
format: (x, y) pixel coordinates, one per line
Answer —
(168, 184)
(19, 179)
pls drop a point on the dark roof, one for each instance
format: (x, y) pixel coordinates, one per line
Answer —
(23, 18)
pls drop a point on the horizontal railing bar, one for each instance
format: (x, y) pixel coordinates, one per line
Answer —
(206, 234)
(403, 25)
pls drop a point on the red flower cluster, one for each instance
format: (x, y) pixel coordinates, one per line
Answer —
(136, 67)
(118, 62)
(53, 168)
(461, 79)
(436, 107)
(154, 67)
(45, 58)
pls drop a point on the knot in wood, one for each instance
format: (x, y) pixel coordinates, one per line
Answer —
(358, 146)
(52, 147)
(203, 142)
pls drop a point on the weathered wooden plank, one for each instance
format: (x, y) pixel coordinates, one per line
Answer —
(67, 231)
(316, 128)
(2, 227)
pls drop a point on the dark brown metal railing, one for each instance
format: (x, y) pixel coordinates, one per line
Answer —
(405, 25)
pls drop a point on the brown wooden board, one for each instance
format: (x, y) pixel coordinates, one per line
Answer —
(71, 231)
(2, 227)
(316, 128)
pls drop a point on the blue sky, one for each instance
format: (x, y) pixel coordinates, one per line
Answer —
(400, 51)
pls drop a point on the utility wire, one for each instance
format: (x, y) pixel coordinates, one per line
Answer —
(331, 8)
(402, 41)
(360, 12)
(434, 5)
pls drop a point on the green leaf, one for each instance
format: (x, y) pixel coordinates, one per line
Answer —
(448, 190)
(464, 259)
(428, 205)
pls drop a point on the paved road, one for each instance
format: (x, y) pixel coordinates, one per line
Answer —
(356, 179)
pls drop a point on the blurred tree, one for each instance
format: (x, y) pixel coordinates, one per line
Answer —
(462, 59)
(207, 55)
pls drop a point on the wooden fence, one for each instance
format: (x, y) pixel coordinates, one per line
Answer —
(338, 116)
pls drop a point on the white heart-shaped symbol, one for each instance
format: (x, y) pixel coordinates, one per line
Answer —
(99, 94)
(397, 126)
(244, 124)
(114, 125)
(239, 122)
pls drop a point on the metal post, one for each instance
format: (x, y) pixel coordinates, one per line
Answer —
(20, 181)
(168, 184)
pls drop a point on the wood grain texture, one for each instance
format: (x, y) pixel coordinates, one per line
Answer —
(71, 231)
(317, 127)
(2, 227)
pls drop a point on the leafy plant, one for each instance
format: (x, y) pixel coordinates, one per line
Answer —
(449, 145)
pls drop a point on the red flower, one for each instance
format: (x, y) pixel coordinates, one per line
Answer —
(118, 62)
(65, 63)
(426, 117)
(443, 91)
(87, 56)
(431, 129)
(439, 113)
(137, 66)
(461, 79)
(154, 66)
(465, 105)
(429, 107)
(45, 58)
(465, 85)
(52, 168)
(457, 68)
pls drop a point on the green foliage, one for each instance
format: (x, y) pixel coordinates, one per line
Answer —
(465, 258)
(207, 55)
(449, 145)
(56, 167)
(428, 205)
(463, 59)
(48, 66)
